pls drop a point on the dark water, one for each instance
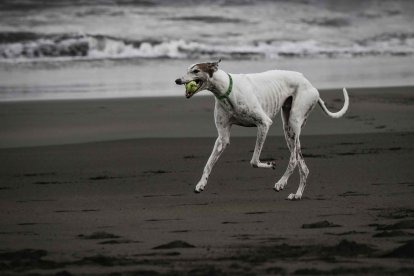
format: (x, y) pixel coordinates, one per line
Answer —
(32, 30)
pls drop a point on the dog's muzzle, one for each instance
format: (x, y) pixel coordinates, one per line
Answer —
(189, 90)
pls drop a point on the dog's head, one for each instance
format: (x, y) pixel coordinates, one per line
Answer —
(201, 73)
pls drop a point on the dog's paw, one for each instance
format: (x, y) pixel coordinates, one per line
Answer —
(294, 197)
(263, 165)
(280, 185)
(199, 188)
(272, 164)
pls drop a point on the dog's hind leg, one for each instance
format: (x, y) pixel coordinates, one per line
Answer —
(290, 141)
(303, 172)
(302, 105)
(292, 134)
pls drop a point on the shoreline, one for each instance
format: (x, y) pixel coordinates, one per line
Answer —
(204, 94)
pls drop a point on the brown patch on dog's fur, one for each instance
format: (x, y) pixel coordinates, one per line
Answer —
(208, 67)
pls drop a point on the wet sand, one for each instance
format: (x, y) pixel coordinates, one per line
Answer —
(101, 187)
(42, 123)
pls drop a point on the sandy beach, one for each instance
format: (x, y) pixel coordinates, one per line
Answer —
(105, 187)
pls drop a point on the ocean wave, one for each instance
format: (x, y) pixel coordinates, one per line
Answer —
(35, 47)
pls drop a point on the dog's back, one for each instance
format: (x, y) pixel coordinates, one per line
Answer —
(272, 88)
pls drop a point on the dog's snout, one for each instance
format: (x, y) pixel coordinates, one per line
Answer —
(178, 81)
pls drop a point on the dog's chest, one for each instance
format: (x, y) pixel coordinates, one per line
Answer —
(241, 114)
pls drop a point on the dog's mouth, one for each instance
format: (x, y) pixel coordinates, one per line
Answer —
(193, 87)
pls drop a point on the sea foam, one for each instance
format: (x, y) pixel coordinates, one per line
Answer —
(83, 46)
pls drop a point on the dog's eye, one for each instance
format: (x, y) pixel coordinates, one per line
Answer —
(196, 71)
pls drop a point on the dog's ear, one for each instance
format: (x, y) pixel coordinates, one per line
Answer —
(213, 67)
(215, 64)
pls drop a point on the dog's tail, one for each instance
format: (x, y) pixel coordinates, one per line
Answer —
(341, 112)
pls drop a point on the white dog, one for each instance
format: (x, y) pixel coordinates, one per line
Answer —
(254, 100)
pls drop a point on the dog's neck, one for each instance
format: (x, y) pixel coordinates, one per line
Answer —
(219, 83)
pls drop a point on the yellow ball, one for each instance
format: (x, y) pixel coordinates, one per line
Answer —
(191, 86)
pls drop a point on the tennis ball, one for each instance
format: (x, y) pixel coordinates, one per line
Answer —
(191, 86)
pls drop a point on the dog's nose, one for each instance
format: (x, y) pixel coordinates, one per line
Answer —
(178, 81)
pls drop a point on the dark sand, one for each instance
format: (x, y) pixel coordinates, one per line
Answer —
(127, 205)
(372, 110)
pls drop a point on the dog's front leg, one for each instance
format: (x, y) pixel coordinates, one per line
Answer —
(221, 143)
(262, 130)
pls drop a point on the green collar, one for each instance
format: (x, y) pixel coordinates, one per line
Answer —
(228, 92)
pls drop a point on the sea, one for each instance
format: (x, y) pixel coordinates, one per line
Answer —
(79, 49)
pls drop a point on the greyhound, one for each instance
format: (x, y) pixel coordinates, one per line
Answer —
(253, 100)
